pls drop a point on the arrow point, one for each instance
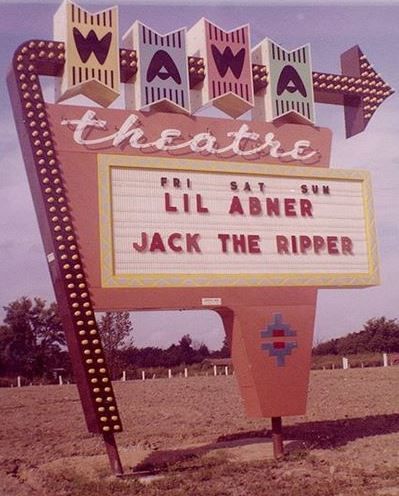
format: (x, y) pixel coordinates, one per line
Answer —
(367, 90)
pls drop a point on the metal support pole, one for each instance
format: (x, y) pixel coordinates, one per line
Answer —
(277, 437)
(113, 454)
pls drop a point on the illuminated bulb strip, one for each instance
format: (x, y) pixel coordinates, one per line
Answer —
(359, 86)
(196, 71)
(49, 57)
(259, 76)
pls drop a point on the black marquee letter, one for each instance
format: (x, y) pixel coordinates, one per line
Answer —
(291, 81)
(89, 44)
(226, 59)
(162, 60)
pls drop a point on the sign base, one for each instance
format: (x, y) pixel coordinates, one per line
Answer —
(271, 351)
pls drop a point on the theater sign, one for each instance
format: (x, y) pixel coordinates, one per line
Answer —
(151, 206)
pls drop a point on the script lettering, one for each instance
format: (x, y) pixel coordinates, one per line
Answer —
(244, 142)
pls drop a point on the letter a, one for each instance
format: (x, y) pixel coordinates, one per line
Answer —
(162, 66)
(290, 81)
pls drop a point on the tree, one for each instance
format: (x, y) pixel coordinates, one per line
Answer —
(31, 338)
(383, 334)
(378, 335)
(224, 351)
(186, 351)
(115, 329)
(327, 348)
(186, 342)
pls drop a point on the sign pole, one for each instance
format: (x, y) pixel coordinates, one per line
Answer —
(113, 454)
(277, 437)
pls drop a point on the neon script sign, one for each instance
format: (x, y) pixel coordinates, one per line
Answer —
(243, 142)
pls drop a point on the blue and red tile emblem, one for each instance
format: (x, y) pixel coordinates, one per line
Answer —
(276, 342)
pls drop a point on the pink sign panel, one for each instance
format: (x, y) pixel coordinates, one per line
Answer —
(229, 62)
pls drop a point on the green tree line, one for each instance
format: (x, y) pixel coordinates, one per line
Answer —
(378, 335)
(33, 345)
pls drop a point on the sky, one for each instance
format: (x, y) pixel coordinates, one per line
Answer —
(330, 28)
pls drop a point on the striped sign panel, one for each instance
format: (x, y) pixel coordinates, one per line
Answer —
(290, 84)
(162, 80)
(91, 53)
(229, 65)
(227, 68)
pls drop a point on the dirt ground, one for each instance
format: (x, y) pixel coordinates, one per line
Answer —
(193, 438)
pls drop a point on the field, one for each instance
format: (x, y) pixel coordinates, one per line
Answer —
(193, 437)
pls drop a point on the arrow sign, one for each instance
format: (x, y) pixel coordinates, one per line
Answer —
(360, 89)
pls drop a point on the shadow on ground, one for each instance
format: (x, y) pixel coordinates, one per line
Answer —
(334, 433)
(312, 435)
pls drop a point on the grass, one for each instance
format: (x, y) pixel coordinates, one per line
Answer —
(216, 477)
(302, 473)
(355, 361)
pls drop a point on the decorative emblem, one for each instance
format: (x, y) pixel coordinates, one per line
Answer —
(278, 346)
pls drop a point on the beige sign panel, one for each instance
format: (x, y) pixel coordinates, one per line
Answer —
(91, 53)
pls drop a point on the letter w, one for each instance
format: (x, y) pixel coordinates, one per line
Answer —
(89, 44)
(226, 59)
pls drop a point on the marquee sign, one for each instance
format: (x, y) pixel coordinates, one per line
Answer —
(251, 199)
(164, 209)
(185, 223)
(250, 159)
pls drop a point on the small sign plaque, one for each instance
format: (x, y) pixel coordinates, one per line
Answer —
(211, 302)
